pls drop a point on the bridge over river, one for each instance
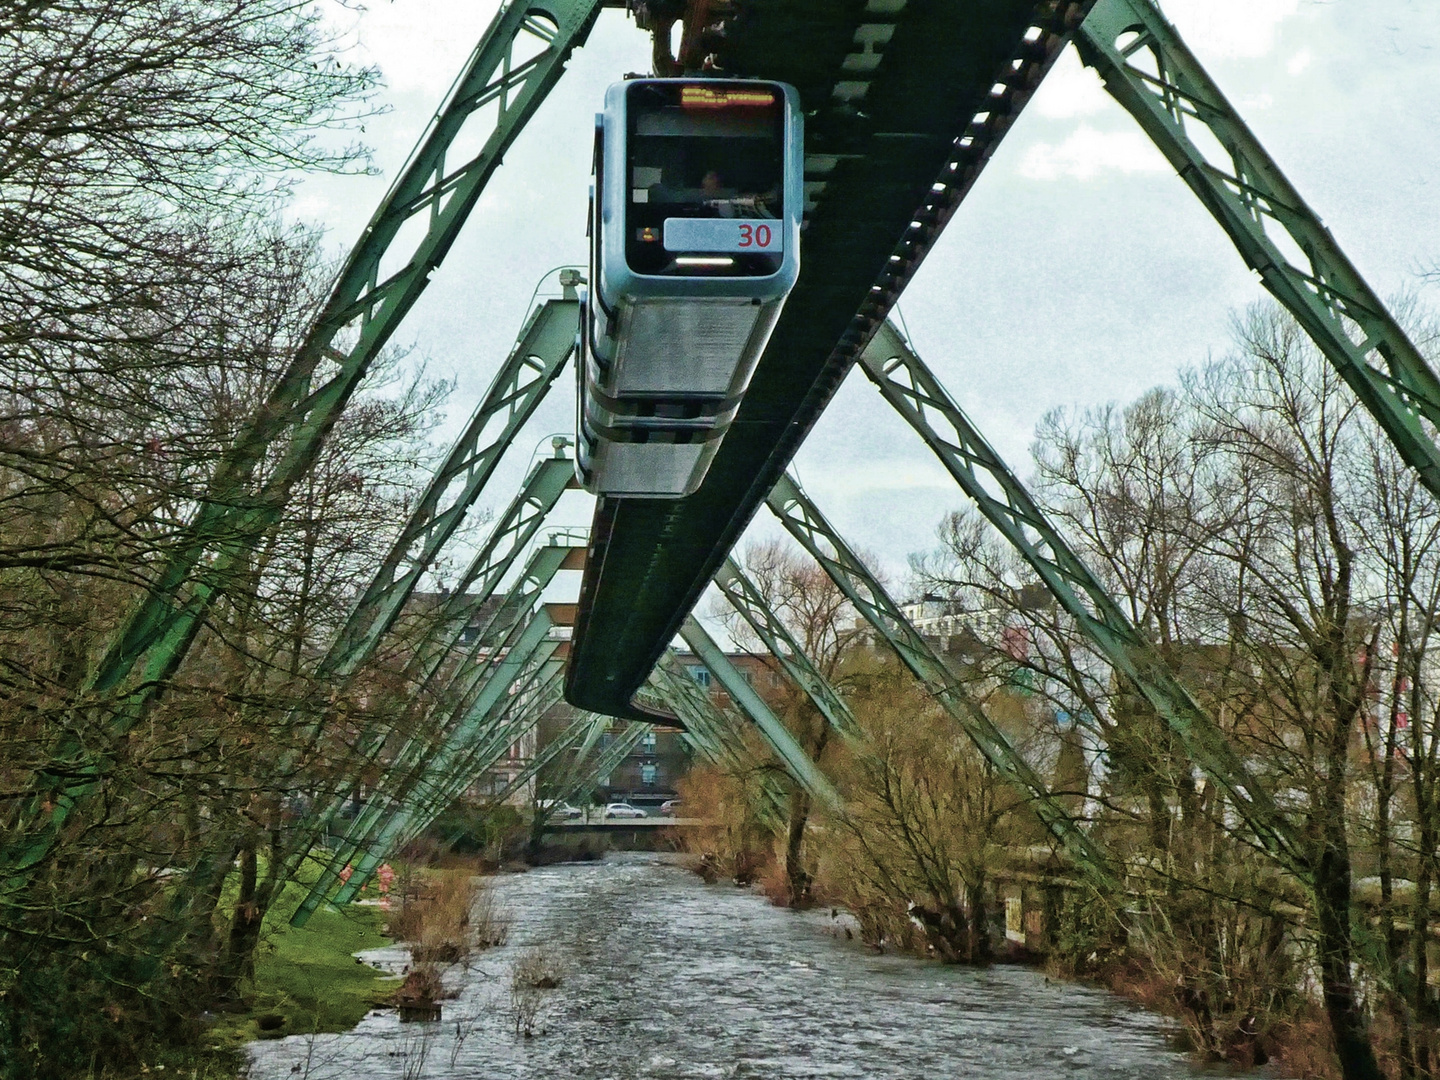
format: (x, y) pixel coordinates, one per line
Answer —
(667, 977)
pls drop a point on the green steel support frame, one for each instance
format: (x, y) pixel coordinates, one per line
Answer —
(917, 395)
(807, 525)
(520, 58)
(801, 767)
(713, 731)
(526, 513)
(547, 481)
(419, 756)
(544, 345)
(584, 730)
(1155, 78)
(584, 777)
(746, 599)
(463, 761)
(471, 705)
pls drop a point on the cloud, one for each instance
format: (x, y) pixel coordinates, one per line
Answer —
(1230, 29)
(1086, 153)
(1299, 62)
(1069, 90)
(418, 45)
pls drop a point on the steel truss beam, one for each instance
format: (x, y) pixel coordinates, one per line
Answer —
(713, 731)
(522, 519)
(1149, 70)
(806, 524)
(801, 767)
(746, 599)
(583, 778)
(547, 481)
(584, 730)
(520, 58)
(908, 385)
(421, 756)
(532, 677)
(517, 390)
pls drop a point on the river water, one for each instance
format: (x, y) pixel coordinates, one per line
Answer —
(666, 977)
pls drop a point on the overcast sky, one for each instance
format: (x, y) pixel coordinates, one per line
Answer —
(1079, 271)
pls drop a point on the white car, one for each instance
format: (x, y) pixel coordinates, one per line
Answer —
(623, 810)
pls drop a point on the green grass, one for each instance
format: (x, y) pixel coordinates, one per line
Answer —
(308, 975)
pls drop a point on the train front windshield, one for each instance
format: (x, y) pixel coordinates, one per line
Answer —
(707, 179)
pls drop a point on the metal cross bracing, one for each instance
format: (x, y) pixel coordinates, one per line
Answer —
(530, 673)
(514, 531)
(746, 599)
(803, 520)
(908, 385)
(421, 755)
(541, 350)
(1149, 70)
(904, 105)
(714, 731)
(798, 763)
(583, 775)
(523, 518)
(580, 735)
(466, 702)
(519, 59)
(545, 343)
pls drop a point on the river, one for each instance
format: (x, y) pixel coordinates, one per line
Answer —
(666, 977)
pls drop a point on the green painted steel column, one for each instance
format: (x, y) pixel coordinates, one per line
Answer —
(544, 485)
(804, 521)
(792, 755)
(498, 683)
(1149, 70)
(713, 731)
(917, 395)
(582, 730)
(746, 599)
(517, 62)
(462, 760)
(586, 777)
(529, 371)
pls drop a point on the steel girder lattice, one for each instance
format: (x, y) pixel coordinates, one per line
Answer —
(1155, 78)
(746, 599)
(522, 519)
(520, 58)
(532, 672)
(917, 395)
(803, 520)
(468, 705)
(801, 767)
(544, 345)
(716, 732)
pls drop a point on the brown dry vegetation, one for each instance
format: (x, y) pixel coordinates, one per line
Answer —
(1266, 540)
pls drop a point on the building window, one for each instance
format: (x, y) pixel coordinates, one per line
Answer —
(647, 743)
(700, 675)
(647, 775)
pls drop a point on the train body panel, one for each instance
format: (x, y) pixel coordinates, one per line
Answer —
(695, 235)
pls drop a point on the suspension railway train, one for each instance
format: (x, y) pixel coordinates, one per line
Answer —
(694, 245)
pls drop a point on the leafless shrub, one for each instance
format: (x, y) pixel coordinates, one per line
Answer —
(533, 975)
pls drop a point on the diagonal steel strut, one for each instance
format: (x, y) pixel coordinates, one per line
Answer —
(801, 767)
(746, 599)
(806, 524)
(361, 313)
(917, 395)
(1149, 70)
